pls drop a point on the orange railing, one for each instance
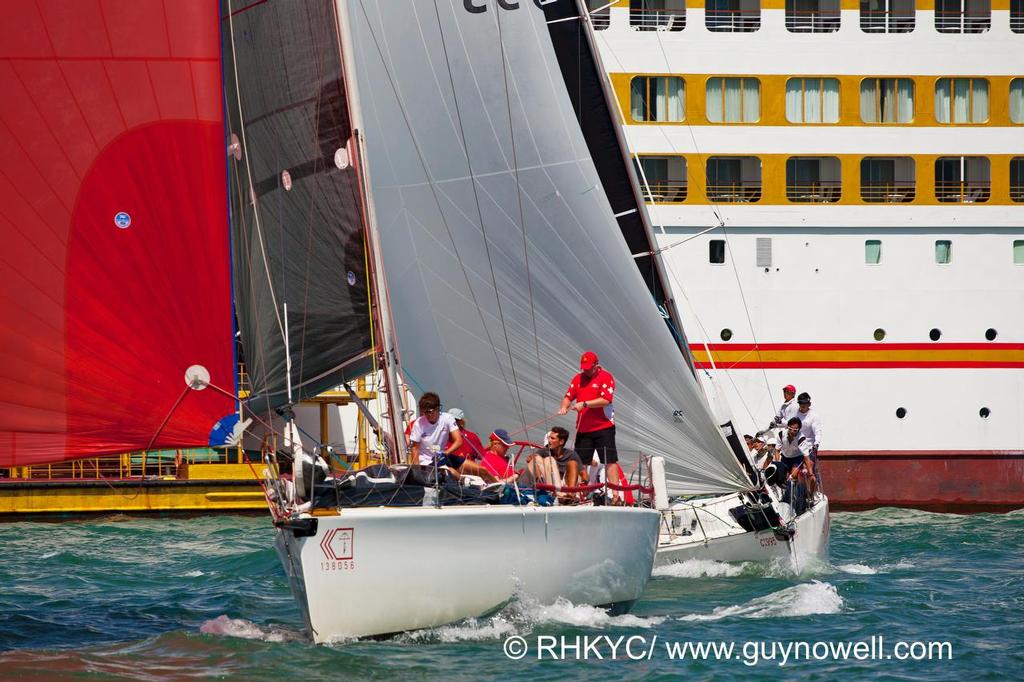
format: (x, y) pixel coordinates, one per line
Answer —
(887, 21)
(963, 192)
(963, 21)
(665, 192)
(812, 21)
(887, 192)
(732, 20)
(743, 192)
(818, 192)
(657, 19)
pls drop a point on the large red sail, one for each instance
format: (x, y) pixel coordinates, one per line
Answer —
(114, 252)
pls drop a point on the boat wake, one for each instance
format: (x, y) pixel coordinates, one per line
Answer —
(805, 599)
(700, 568)
(864, 569)
(246, 629)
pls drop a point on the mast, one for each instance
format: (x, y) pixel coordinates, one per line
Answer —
(386, 339)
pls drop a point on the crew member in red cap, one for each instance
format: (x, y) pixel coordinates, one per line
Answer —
(593, 390)
(788, 409)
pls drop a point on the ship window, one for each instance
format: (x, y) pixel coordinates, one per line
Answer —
(963, 179)
(653, 15)
(663, 178)
(812, 16)
(873, 256)
(887, 180)
(901, 412)
(733, 179)
(1017, 16)
(657, 98)
(813, 179)
(961, 100)
(935, 334)
(1018, 251)
(732, 16)
(887, 16)
(991, 334)
(1017, 178)
(887, 100)
(984, 413)
(733, 100)
(812, 100)
(726, 334)
(1017, 99)
(763, 253)
(943, 252)
(716, 251)
(963, 16)
(600, 14)
(879, 334)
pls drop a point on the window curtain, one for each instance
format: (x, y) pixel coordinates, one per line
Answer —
(733, 100)
(961, 100)
(1017, 100)
(1018, 251)
(714, 100)
(873, 251)
(905, 100)
(751, 100)
(674, 96)
(942, 100)
(830, 100)
(868, 96)
(979, 100)
(943, 251)
(638, 99)
(794, 100)
(812, 100)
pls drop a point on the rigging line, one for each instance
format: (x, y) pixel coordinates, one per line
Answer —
(433, 189)
(248, 170)
(522, 219)
(174, 407)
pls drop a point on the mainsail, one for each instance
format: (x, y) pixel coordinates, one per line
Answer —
(114, 272)
(502, 250)
(300, 259)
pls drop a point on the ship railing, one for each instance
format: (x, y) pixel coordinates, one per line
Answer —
(963, 191)
(665, 192)
(812, 21)
(887, 192)
(130, 465)
(1016, 191)
(740, 192)
(1017, 21)
(733, 20)
(887, 21)
(814, 192)
(641, 19)
(966, 20)
(600, 14)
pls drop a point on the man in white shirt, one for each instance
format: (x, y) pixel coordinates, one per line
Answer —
(810, 429)
(788, 409)
(795, 452)
(435, 434)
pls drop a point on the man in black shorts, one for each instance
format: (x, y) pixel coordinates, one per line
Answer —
(591, 393)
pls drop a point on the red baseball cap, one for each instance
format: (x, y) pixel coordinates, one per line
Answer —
(789, 387)
(588, 360)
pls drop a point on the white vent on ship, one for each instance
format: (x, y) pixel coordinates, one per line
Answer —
(764, 252)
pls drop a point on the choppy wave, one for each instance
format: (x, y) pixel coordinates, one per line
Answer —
(698, 568)
(805, 599)
(246, 629)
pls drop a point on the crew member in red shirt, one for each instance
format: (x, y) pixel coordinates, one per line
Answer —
(593, 390)
(471, 448)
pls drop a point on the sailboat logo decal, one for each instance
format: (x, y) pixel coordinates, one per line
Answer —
(338, 544)
(122, 220)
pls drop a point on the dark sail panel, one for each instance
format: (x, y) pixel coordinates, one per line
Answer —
(296, 219)
(584, 82)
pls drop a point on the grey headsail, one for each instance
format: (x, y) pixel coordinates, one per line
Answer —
(298, 237)
(503, 256)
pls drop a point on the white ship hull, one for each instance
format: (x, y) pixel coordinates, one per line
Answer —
(717, 537)
(378, 571)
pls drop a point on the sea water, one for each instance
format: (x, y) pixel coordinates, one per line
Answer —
(186, 598)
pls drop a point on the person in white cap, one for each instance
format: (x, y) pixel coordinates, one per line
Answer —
(471, 445)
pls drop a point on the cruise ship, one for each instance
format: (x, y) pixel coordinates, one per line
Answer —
(837, 186)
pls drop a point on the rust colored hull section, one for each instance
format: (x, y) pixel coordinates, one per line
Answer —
(933, 480)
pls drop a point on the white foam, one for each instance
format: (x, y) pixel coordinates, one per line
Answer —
(193, 574)
(698, 568)
(49, 555)
(900, 565)
(469, 630)
(857, 569)
(805, 599)
(565, 612)
(245, 629)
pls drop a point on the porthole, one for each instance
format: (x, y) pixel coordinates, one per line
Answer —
(984, 412)
(991, 334)
(935, 334)
(879, 334)
(726, 334)
(901, 412)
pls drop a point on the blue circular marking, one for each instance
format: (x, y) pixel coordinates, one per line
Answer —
(351, 278)
(122, 220)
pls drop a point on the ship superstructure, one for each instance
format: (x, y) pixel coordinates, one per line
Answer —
(862, 167)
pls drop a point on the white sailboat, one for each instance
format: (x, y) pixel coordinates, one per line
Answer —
(439, 149)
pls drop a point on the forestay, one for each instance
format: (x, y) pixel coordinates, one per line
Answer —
(502, 253)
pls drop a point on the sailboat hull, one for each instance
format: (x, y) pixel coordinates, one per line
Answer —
(368, 572)
(717, 537)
